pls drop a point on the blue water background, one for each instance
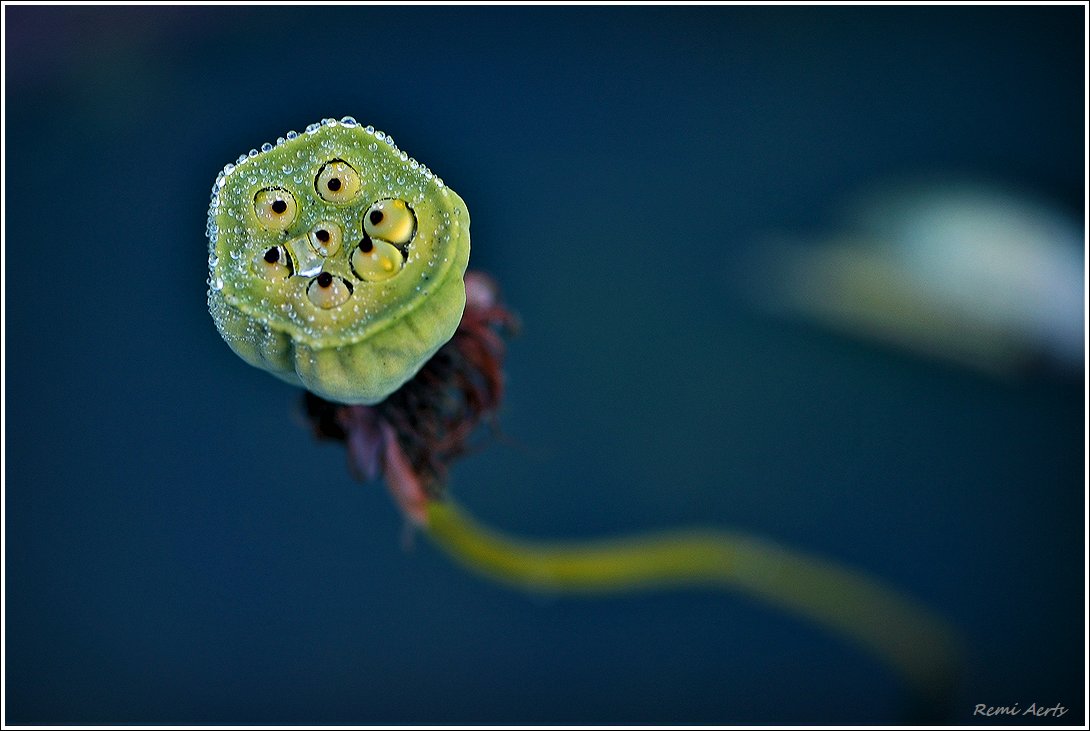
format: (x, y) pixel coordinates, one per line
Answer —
(179, 550)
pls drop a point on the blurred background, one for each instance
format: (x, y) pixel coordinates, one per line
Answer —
(700, 214)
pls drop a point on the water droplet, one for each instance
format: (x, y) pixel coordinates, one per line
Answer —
(312, 128)
(331, 122)
(348, 121)
(369, 129)
(253, 153)
(286, 169)
(372, 147)
(241, 159)
(228, 168)
(280, 141)
(266, 147)
(218, 284)
(380, 136)
(292, 135)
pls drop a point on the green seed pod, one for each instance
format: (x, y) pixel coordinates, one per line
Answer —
(302, 282)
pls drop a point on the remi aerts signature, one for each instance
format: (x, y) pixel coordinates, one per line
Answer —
(1034, 709)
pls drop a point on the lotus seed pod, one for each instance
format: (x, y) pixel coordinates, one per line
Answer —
(336, 261)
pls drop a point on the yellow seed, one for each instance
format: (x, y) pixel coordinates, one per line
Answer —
(376, 260)
(275, 208)
(274, 270)
(332, 235)
(391, 220)
(327, 291)
(337, 182)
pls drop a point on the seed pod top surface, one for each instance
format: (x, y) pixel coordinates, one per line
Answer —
(336, 260)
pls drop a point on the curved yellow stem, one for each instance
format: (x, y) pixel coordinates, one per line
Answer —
(920, 646)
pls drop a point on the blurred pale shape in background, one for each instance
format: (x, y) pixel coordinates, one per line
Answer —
(961, 271)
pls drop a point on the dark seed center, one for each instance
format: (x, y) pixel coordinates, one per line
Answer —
(366, 246)
(322, 235)
(325, 279)
(376, 218)
(279, 206)
(334, 184)
(272, 255)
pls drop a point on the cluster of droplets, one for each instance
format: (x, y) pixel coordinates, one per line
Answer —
(216, 283)
(311, 129)
(358, 310)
